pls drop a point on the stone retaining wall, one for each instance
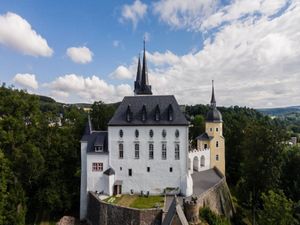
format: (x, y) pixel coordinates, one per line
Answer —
(102, 213)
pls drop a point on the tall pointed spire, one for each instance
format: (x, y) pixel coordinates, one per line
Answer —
(141, 85)
(213, 99)
(144, 79)
(137, 82)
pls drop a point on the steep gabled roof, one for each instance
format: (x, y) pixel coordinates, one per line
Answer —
(150, 103)
(174, 211)
(96, 138)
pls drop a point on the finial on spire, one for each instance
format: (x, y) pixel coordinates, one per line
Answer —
(213, 99)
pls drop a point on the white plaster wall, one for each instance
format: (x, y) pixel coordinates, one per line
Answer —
(96, 179)
(159, 176)
(199, 153)
(83, 184)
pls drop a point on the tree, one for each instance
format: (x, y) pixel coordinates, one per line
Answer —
(261, 162)
(290, 180)
(277, 209)
(198, 126)
(12, 199)
(101, 114)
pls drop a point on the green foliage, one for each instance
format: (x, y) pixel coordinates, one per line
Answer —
(277, 209)
(12, 199)
(211, 218)
(39, 161)
(198, 126)
(290, 180)
(101, 114)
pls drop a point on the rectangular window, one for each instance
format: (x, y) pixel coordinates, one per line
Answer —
(130, 172)
(177, 156)
(217, 129)
(151, 152)
(121, 151)
(164, 151)
(137, 151)
(217, 144)
(205, 146)
(217, 157)
(97, 167)
(171, 169)
(148, 169)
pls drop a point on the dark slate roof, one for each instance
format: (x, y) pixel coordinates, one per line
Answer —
(175, 209)
(109, 171)
(96, 138)
(204, 137)
(152, 103)
(214, 115)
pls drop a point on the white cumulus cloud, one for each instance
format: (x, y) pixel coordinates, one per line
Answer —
(255, 61)
(80, 55)
(26, 80)
(122, 72)
(87, 88)
(134, 12)
(17, 33)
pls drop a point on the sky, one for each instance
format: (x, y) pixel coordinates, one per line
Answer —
(87, 50)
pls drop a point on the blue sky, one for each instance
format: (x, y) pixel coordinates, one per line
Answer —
(249, 47)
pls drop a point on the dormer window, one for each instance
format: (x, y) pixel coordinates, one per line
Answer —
(128, 114)
(144, 113)
(99, 148)
(157, 113)
(170, 113)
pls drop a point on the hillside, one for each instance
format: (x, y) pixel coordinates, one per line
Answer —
(279, 111)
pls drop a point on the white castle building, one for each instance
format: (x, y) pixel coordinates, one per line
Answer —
(146, 148)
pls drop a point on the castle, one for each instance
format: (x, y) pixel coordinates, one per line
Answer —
(146, 147)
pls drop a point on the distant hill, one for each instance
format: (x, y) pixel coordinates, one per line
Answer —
(279, 111)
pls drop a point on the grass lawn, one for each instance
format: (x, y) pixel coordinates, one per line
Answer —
(135, 201)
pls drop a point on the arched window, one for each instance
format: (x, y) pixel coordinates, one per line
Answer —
(151, 151)
(202, 161)
(121, 151)
(136, 151)
(177, 156)
(164, 151)
(217, 144)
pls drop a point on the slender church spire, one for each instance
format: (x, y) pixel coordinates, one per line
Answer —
(137, 82)
(141, 85)
(213, 99)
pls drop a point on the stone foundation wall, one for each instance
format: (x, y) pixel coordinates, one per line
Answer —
(102, 213)
(218, 198)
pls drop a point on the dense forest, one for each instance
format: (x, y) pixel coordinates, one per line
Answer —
(40, 160)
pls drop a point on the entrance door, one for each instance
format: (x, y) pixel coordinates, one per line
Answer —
(117, 189)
